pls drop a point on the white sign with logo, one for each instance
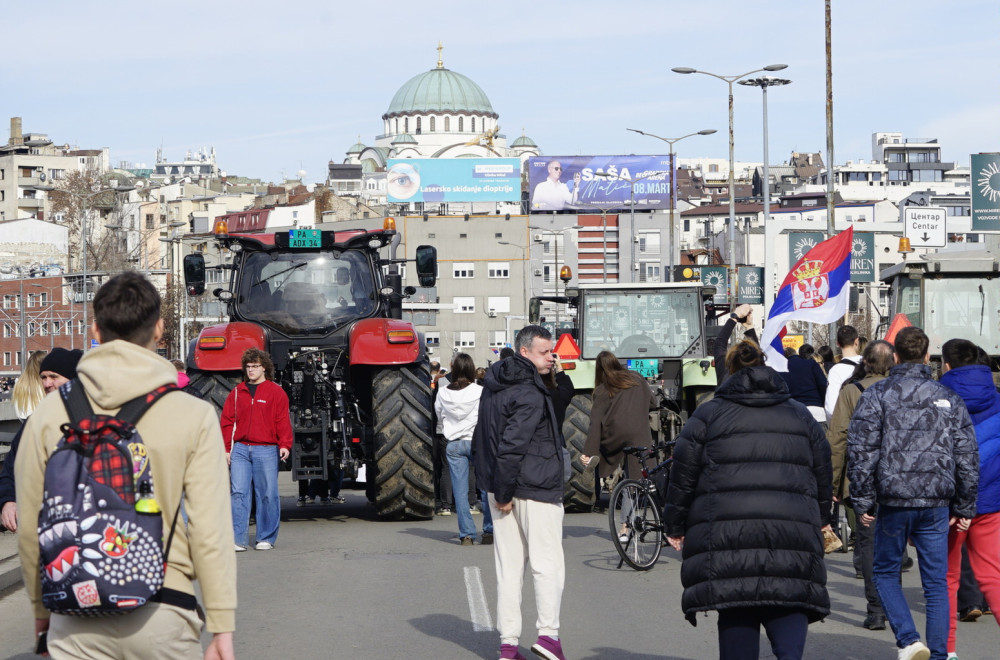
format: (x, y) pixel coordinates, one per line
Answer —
(925, 226)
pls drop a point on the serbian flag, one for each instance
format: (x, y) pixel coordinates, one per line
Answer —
(815, 290)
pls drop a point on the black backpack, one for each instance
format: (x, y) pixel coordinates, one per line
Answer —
(100, 532)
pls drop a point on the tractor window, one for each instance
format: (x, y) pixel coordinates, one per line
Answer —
(299, 293)
(640, 324)
(965, 308)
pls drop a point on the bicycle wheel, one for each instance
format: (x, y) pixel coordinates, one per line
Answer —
(635, 525)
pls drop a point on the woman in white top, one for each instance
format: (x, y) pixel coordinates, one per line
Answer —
(457, 408)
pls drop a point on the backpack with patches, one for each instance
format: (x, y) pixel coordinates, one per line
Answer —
(100, 533)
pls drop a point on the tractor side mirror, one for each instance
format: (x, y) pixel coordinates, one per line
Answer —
(427, 264)
(534, 311)
(194, 274)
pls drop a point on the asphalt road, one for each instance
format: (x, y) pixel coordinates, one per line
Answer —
(341, 585)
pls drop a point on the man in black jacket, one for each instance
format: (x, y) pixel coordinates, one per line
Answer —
(912, 448)
(517, 450)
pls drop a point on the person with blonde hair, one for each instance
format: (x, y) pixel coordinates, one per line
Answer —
(28, 390)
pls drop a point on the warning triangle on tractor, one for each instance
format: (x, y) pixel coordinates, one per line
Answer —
(566, 348)
(898, 323)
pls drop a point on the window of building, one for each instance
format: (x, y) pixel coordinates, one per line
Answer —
(10, 301)
(465, 339)
(17, 358)
(713, 167)
(498, 235)
(418, 125)
(447, 124)
(463, 304)
(473, 129)
(463, 235)
(498, 304)
(8, 330)
(898, 175)
(432, 235)
(687, 225)
(32, 328)
(6, 358)
(498, 338)
(649, 272)
(432, 338)
(498, 270)
(43, 329)
(649, 242)
(460, 122)
(432, 124)
(57, 327)
(79, 327)
(463, 271)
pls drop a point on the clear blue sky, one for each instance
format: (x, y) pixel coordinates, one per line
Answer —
(278, 87)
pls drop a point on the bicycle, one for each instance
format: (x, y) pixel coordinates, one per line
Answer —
(634, 510)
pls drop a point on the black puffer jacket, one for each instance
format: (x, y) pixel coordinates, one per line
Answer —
(517, 448)
(750, 489)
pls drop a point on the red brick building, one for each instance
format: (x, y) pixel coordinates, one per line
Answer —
(52, 315)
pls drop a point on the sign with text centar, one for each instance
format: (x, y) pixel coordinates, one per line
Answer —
(986, 192)
(925, 226)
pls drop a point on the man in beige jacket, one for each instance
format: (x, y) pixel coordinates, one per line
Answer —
(187, 458)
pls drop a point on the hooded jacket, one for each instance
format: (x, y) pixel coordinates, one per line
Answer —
(836, 433)
(974, 383)
(457, 411)
(911, 444)
(517, 449)
(750, 491)
(181, 434)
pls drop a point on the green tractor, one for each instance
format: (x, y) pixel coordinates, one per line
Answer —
(660, 331)
(949, 295)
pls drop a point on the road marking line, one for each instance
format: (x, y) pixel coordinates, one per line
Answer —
(479, 611)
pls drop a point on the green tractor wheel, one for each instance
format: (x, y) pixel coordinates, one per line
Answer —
(578, 494)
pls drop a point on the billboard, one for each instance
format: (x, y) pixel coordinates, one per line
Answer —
(573, 183)
(751, 285)
(454, 180)
(985, 192)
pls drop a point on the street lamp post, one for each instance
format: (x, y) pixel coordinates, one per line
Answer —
(673, 187)
(557, 270)
(85, 198)
(631, 204)
(764, 82)
(729, 80)
(524, 273)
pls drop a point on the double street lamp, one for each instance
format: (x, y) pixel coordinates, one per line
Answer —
(673, 187)
(764, 82)
(562, 273)
(729, 80)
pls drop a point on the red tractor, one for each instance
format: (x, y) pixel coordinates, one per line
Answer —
(327, 308)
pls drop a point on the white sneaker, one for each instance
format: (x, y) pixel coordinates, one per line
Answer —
(240, 548)
(263, 545)
(915, 651)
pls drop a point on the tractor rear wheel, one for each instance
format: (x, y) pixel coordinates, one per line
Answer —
(401, 407)
(213, 387)
(578, 493)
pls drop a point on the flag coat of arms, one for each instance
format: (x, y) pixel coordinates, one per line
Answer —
(816, 289)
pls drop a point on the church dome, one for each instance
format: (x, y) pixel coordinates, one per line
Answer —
(524, 141)
(440, 90)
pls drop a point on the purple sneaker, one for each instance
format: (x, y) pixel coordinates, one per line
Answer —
(510, 652)
(548, 648)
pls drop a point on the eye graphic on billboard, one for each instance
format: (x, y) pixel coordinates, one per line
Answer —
(453, 180)
(576, 183)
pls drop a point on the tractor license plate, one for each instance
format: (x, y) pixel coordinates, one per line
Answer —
(305, 238)
(645, 368)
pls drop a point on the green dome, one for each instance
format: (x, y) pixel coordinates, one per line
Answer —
(439, 90)
(524, 141)
(356, 148)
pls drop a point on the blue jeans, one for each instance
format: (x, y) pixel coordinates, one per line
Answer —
(928, 529)
(255, 467)
(459, 453)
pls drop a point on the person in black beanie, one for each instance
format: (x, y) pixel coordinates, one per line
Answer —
(57, 368)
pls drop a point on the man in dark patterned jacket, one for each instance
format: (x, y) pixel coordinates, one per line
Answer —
(912, 449)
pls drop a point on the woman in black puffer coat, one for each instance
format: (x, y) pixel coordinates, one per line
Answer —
(749, 495)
